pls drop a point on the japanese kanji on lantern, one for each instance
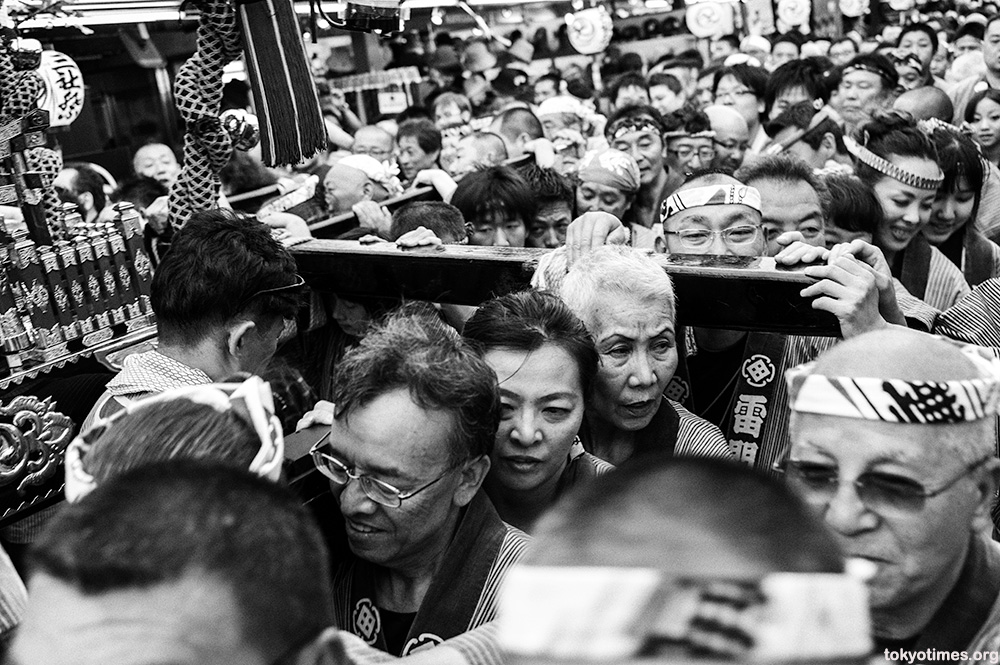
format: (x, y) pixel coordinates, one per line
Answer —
(64, 92)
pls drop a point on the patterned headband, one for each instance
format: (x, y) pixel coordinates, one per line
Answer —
(896, 400)
(634, 124)
(864, 67)
(614, 615)
(710, 195)
(884, 166)
(251, 400)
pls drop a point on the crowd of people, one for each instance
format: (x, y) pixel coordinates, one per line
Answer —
(568, 472)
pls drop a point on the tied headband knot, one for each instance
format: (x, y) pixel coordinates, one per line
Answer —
(710, 195)
(898, 400)
(885, 167)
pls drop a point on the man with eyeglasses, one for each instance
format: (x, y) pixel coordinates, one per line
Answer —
(732, 137)
(728, 376)
(892, 444)
(742, 88)
(373, 141)
(690, 141)
(409, 447)
(225, 296)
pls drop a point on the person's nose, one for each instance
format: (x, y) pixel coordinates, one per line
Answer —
(719, 246)
(945, 209)
(846, 513)
(353, 500)
(694, 163)
(912, 214)
(642, 373)
(500, 239)
(552, 239)
(525, 432)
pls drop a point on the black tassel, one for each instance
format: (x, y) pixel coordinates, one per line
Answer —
(291, 123)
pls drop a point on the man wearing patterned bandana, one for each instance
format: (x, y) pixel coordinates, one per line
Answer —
(638, 131)
(892, 444)
(869, 83)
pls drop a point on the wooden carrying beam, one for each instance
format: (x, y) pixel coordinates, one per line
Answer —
(737, 293)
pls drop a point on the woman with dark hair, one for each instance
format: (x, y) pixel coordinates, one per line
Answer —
(899, 162)
(545, 363)
(983, 113)
(956, 205)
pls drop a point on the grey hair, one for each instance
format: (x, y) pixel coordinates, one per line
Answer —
(615, 269)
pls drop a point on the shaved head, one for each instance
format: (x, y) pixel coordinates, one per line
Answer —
(925, 103)
(724, 116)
(345, 186)
(372, 141)
(667, 513)
(897, 353)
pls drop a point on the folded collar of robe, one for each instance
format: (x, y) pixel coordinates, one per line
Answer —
(898, 400)
(885, 167)
(710, 195)
(251, 400)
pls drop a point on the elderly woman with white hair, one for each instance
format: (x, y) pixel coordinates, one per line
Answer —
(626, 301)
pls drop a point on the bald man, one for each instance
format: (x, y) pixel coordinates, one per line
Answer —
(925, 103)
(373, 141)
(661, 523)
(478, 150)
(892, 445)
(355, 179)
(732, 137)
(156, 160)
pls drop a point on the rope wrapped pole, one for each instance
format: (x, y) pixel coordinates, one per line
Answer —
(198, 89)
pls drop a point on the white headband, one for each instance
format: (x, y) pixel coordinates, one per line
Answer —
(252, 400)
(710, 195)
(609, 615)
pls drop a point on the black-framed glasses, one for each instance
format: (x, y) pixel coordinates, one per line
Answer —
(297, 284)
(377, 490)
(686, 152)
(700, 239)
(878, 491)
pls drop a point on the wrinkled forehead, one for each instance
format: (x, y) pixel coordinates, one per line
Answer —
(862, 77)
(869, 443)
(713, 217)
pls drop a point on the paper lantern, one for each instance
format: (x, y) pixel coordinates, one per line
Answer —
(64, 92)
